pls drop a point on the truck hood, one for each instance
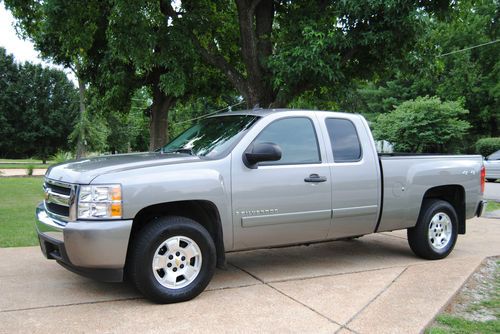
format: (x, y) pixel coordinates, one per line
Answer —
(83, 171)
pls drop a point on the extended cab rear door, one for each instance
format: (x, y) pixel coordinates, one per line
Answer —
(355, 174)
(286, 201)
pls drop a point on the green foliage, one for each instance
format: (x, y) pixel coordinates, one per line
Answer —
(472, 76)
(358, 56)
(62, 156)
(92, 130)
(29, 170)
(278, 50)
(118, 47)
(423, 125)
(38, 107)
(486, 146)
(455, 325)
(490, 305)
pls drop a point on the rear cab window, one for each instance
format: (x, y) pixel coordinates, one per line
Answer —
(344, 140)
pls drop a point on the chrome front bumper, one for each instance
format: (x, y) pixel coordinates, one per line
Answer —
(92, 248)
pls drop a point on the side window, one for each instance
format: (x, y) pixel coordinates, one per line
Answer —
(344, 140)
(296, 137)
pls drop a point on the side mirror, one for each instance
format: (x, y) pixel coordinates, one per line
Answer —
(261, 152)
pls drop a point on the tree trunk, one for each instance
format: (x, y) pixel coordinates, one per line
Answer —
(255, 23)
(255, 18)
(159, 118)
(81, 150)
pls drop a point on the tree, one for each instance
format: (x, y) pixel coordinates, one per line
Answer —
(9, 76)
(120, 46)
(423, 125)
(274, 51)
(38, 109)
(440, 64)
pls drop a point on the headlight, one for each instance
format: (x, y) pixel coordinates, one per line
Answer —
(100, 202)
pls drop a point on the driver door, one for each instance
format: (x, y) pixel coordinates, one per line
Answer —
(286, 201)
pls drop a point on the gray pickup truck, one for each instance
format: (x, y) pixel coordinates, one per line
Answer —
(243, 180)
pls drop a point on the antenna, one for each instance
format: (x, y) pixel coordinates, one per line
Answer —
(256, 106)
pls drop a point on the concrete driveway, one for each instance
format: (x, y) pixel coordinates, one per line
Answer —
(370, 285)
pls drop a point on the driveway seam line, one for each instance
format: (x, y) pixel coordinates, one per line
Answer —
(289, 297)
(391, 236)
(376, 297)
(119, 300)
(345, 327)
(333, 275)
(70, 304)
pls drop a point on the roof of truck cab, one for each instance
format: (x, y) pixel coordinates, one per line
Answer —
(265, 112)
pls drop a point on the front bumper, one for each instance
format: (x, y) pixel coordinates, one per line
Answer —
(95, 249)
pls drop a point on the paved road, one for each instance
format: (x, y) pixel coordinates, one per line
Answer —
(21, 172)
(370, 285)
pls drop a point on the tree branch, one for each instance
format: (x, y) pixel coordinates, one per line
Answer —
(167, 9)
(217, 60)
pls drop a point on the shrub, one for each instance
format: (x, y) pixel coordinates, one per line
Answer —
(424, 125)
(29, 169)
(486, 146)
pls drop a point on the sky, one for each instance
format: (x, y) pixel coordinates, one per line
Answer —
(23, 50)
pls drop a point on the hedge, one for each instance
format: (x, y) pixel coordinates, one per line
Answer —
(486, 146)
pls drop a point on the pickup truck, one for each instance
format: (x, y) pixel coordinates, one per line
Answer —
(243, 180)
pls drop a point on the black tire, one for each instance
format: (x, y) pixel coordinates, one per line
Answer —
(418, 236)
(145, 246)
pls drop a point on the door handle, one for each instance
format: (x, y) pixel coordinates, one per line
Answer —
(315, 178)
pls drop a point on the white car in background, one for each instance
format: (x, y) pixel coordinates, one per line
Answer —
(492, 164)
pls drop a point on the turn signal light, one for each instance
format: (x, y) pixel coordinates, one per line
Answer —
(483, 178)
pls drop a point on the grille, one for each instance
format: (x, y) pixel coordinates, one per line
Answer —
(60, 190)
(59, 210)
(59, 198)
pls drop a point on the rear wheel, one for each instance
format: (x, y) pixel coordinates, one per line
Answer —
(172, 259)
(435, 234)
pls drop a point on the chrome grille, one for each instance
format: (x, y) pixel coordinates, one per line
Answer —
(60, 199)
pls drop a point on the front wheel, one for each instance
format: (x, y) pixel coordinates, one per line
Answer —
(435, 234)
(172, 259)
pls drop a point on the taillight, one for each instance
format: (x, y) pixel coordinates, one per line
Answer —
(483, 178)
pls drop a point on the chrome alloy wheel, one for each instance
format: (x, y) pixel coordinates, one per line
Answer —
(177, 262)
(440, 231)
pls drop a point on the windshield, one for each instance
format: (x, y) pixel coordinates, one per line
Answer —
(494, 156)
(211, 137)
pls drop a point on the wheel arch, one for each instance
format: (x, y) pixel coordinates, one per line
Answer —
(453, 194)
(204, 212)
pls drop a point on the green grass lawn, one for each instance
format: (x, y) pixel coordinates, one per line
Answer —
(22, 166)
(492, 206)
(18, 199)
(28, 161)
(446, 323)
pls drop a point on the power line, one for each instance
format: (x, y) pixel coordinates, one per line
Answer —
(469, 48)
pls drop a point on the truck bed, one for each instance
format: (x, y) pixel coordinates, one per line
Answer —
(406, 178)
